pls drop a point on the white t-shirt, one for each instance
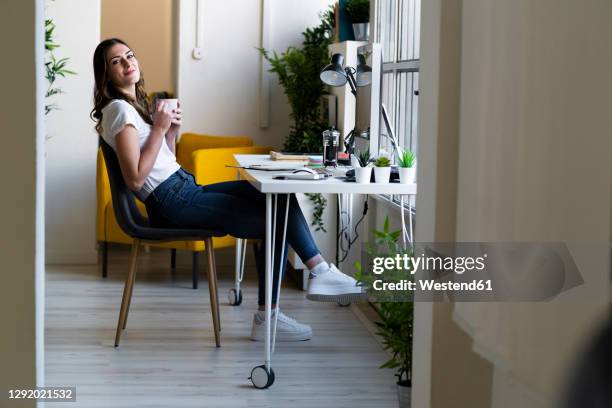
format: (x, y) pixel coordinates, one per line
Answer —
(115, 116)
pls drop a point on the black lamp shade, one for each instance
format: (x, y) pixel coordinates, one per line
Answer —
(333, 74)
(363, 72)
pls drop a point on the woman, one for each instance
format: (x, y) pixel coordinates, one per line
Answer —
(144, 143)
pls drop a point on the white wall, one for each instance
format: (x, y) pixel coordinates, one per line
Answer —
(534, 160)
(531, 131)
(72, 141)
(220, 93)
(146, 25)
(21, 207)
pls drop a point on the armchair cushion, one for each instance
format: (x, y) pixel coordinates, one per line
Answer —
(209, 164)
(189, 142)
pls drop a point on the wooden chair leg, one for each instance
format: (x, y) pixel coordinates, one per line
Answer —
(212, 287)
(214, 275)
(194, 269)
(127, 312)
(173, 259)
(103, 254)
(127, 291)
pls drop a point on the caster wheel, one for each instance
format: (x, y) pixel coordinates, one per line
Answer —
(235, 298)
(261, 377)
(344, 304)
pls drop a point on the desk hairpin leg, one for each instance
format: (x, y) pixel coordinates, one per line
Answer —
(263, 376)
(280, 270)
(234, 295)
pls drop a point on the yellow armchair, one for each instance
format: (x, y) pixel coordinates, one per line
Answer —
(190, 142)
(202, 155)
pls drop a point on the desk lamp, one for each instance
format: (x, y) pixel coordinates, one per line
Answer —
(334, 75)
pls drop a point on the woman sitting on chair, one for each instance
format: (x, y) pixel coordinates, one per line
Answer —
(144, 141)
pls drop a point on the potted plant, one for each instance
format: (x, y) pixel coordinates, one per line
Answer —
(359, 13)
(382, 170)
(395, 328)
(395, 313)
(407, 170)
(363, 172)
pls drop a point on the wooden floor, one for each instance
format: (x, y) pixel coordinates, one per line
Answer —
(167, 356)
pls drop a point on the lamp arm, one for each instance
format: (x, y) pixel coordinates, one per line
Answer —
(351, 80)
(349, 142)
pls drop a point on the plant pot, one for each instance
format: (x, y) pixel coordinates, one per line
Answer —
(407, 175)
(382, 175)
(363, 174)
(403, 395)
(361, 31)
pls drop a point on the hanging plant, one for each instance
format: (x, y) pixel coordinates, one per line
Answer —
(319, 206)
(54, 67)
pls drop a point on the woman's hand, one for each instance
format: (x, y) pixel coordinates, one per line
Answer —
(162, 117)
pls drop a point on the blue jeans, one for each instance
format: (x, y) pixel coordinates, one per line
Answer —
(233, 207)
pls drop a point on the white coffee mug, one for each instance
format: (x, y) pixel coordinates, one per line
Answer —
(171, 104)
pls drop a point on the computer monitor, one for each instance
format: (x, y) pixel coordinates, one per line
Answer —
(368, 101)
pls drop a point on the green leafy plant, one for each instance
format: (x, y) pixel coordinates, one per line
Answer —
(298, 72)
(397, 316)
(364, 158)
(54, 67)
(385, 244)
(320, 203)
(406, 159)
(358, 10)
(396, 330)
(382, 161)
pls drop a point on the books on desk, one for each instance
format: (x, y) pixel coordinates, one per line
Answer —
(284, 156)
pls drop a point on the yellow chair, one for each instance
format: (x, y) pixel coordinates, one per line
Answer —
(202, 155)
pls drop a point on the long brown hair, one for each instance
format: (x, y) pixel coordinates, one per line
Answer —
(105, 91)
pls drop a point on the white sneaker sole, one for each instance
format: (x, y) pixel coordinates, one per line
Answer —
(343, 298)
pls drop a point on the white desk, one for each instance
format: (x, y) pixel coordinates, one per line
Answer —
(263, 376)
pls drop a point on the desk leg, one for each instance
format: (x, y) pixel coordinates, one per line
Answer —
(282, 255)
(263, 376)
(235, 294)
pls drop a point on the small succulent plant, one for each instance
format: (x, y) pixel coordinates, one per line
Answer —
(382, 161)
(364, 158)
(406, 159)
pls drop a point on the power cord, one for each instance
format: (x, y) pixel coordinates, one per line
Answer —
(345, 251)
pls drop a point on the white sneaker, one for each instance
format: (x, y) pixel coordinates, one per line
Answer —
(287, 328)
(334, 286)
